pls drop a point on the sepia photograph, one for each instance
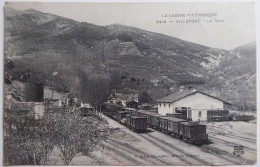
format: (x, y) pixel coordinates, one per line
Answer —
(129, 84)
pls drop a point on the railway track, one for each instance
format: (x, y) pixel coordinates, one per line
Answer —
(113, 157)
(227, 156)
(132, 161)
(134, 151)
(171, 149)
(236, 136)
(232, 144)
(166, 149)
(208, 149)
(181, 151)
(241, 138)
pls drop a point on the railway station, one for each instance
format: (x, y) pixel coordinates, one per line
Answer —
(192, 105)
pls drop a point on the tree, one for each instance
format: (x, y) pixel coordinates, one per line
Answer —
(30, 137)
(132, 104)
(76, 134)
(22, 140)
(46, 135)
(30, 141)
(145, 97)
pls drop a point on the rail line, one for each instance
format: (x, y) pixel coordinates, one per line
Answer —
(230, 143)
(227, 156)
(133, 150)
(241, 138)
(236, 136)
(166, 150)
(112, 157)
(122, 154)
(181, 151)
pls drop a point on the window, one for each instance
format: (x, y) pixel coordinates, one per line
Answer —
(164, 105)
(169, 105)
(199, 115)
(160, 104)
(189, 114)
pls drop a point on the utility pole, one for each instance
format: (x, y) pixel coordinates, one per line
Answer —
(212, 121)
(34, 158)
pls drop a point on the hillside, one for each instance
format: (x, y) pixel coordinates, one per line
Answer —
(143, 60)
(236, 76)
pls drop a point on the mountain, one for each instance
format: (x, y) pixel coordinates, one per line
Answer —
(236, 75)
(143, 60)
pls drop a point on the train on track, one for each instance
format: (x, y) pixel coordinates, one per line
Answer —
(140, 120)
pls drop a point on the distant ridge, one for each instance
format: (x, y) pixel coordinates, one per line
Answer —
(149, 61)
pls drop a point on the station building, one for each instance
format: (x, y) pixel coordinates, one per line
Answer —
(193, 105)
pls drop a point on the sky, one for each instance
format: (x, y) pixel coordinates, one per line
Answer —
(231, 24)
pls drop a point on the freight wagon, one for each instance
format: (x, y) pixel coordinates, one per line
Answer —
(126, 116)
(146, 114)
(86, 111)
(218, 118)
(174, 126)
(129, 110)
(170, 125)
(155, 121)
(136, 123)
(163, 124)
(194, 133)
(121, 116)
(139, 120)
(191, 132)
(110, 109)
(245, 118)
(217, 115)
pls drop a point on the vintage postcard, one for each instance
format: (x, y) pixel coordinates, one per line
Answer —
(141, 84)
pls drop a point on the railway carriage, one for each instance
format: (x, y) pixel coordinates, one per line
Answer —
(193, 132)
(111, 109)
(86, 111)
(174, 126)
(163, 121)
(139, 120)
(142, 113)
(130, 110)
(217, 115)
(151, 119)
(136, 123)
(245, 118)
(155, 121)
(121, 116)
(146, 114)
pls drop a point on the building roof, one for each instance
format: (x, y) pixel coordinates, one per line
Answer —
(175, 119)
(191, 123)
(146, 112)
(130, 109)
(121, 112)
(137, 117)
(158, 115)
(145, 104)
(165, 117)
(180, 95)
